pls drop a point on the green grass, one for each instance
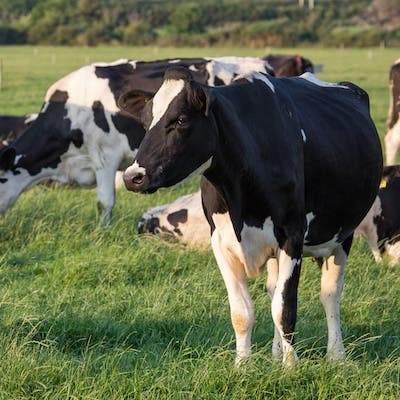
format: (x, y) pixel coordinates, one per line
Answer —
(102, 313)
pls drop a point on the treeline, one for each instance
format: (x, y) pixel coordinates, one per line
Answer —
(200, 23)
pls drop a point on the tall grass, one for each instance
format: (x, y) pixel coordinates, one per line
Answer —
(102, 313)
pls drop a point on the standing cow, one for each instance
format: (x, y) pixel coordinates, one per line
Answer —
(290, 168)
(392, 138)
(81, 136)
(184, 218)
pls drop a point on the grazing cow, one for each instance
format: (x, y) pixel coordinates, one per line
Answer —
(381, 226)
(288, 65)
(81, 136)
(392, 138)
(12, 126)
(290, 167)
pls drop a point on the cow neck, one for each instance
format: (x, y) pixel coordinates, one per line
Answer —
(233, 165)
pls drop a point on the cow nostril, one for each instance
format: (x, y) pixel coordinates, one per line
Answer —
(138, 178)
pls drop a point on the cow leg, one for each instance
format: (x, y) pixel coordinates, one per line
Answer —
(241, 305)
(284, 302)
(105, 194)
(272, 277)
(331, 290)
(392, 143)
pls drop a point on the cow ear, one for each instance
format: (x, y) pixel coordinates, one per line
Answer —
(7, 158)
(199, 97)
(133, 102)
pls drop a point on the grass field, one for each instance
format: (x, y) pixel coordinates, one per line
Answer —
(102, 313)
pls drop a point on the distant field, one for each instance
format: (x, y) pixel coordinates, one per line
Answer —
(102, 313)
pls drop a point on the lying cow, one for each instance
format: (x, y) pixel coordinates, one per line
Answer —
(289, 65)
(183, 219)
(283, 177)
(12, 126)
(81, 136)
(392, 137)
(381, 226)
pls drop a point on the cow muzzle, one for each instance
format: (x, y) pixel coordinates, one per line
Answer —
(136, 181)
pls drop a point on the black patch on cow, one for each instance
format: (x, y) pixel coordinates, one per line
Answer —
(128, 126)
(77, 137)
(148, 225)
(212, 201)
(3, 180)
(16, 172)
(289, 309)
(218, 81)
(178, 217)
(59, 96)
(99, 116)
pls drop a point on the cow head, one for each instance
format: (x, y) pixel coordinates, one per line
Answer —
(179, 138)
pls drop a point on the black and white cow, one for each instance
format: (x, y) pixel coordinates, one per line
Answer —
(183, 219)
(12, 126)
(392, 137)
(381, 226)
(289, 65)
(81, 136)
(290, 167)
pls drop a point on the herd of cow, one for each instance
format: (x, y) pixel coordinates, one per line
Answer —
(291, 167)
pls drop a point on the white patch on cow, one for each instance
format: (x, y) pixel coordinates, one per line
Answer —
(44, 107)
(304, 135)
(397, 61)
(256, 246)
(323, 249)
(193, 68)
(265, 79)
(226, 68)
(256, 75)
(30, 118)
(368, 229)
(17, 158)
(167, 92)
(135, 169)
(175, 61)
(313, 79)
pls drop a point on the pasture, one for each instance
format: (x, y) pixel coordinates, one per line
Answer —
(102, 313)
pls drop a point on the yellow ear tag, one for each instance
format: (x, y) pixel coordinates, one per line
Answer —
(383, 184)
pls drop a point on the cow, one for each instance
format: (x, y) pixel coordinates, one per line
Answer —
(193, 227)
(81, 136)
(289, 65)
(381, 226)
(182, 219)
(290, 167)
(392, 137)
(12, 126)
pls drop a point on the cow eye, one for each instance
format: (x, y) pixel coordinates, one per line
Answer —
(182, 120)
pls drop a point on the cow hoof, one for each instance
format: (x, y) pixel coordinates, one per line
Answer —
(336, 355)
